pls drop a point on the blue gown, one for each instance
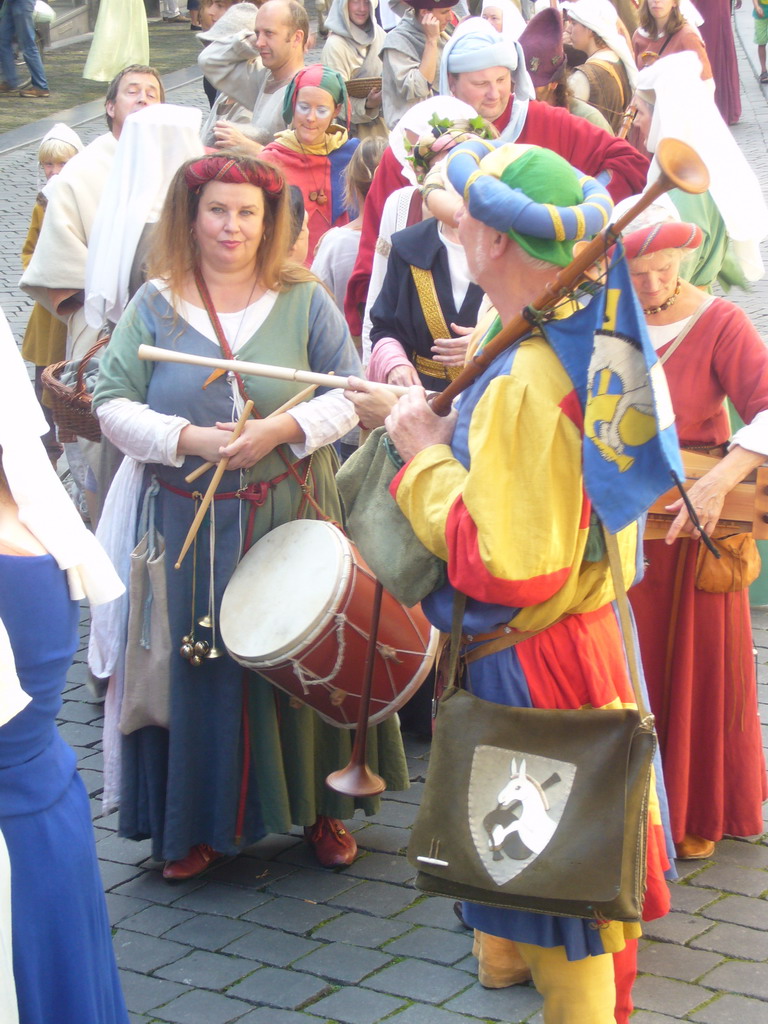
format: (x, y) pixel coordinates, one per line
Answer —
(63, 960)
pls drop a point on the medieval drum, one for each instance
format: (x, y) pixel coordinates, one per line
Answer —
(298, 611)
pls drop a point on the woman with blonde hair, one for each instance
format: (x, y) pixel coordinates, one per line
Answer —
(239, 759)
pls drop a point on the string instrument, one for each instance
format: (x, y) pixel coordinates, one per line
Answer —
(745, 509)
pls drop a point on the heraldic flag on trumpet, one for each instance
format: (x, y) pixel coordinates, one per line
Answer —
(630, 446)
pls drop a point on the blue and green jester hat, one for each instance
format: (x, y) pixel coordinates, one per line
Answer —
(530, 193)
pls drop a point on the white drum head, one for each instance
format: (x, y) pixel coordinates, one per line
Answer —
(283, 590)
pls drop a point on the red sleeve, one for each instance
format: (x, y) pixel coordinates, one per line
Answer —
(387, 179)
(740, 358)
(587, 147)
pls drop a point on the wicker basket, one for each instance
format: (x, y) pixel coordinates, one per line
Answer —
(358, 88)
(71, 406)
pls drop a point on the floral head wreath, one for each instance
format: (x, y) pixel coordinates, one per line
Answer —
(504, 186)
(233, 172)
(442, 137)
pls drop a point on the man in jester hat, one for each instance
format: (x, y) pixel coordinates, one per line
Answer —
(496, 489)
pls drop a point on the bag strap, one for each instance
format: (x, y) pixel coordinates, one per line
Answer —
(608, 66)
(625, 620)
(147, 514)
(504, 642)
(666, 43)
(304, 484)
(684, 333)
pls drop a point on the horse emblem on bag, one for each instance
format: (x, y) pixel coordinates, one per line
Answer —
(524, 804)
(515, 804)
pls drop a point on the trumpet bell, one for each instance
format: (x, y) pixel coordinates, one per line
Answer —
(356, 780)
(683, 166)
(206, 622)
(215, 652)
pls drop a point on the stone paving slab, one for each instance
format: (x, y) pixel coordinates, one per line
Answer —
(731, 1010)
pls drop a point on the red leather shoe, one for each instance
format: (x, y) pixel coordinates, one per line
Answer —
(334, 847)
(199, 859)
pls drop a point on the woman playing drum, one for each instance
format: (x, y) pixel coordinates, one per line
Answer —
(697, 645)
(239, 759)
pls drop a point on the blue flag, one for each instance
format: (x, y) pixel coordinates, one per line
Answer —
(630, 445)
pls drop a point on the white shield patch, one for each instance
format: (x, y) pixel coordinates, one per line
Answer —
(515, 803)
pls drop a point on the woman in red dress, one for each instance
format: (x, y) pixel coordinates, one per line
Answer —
(663, 30)
(697, 646)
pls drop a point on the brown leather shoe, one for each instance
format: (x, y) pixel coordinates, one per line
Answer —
(199, 859)
(334, 847)
(4, 87)
(694, 848)
(34, 93)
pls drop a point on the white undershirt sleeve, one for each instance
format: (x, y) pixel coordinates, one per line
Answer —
(324, 420)
(754, 436)
(142, 433)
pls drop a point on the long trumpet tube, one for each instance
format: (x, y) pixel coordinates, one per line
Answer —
(320, 380)
(681, 168)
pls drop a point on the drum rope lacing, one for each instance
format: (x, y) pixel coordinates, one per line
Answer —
(309, 679)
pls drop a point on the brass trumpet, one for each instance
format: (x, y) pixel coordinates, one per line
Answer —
(681, 167)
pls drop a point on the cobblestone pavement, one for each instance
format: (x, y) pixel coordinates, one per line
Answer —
(271, 939)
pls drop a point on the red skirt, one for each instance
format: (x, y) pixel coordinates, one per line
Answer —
(697, 655)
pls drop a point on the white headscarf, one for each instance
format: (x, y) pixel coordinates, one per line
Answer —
(416, 119)
(44, 506)
(153, 144)
(338, 21)
(684, 108)
(59, 133)
(601, 16)
(512, 21)
(63, 133)
(476, 45)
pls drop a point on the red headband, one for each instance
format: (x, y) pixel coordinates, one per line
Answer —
(671, 235)
(223, 168)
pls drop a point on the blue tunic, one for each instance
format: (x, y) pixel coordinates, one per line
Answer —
(62, 948)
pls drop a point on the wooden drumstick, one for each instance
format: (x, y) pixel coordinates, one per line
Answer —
(208, 497)
(191, 477)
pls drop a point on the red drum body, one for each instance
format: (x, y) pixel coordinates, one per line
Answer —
(298, 611)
